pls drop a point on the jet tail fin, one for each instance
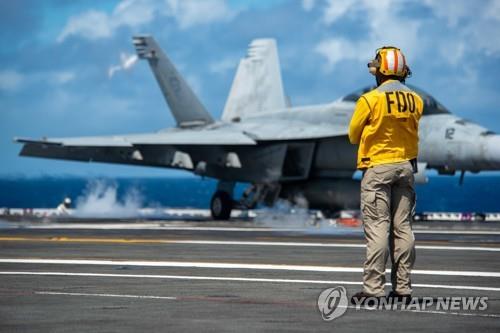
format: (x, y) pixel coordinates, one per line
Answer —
(257, 86)
(186, 108)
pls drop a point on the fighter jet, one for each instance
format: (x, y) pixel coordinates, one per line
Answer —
(281, 151)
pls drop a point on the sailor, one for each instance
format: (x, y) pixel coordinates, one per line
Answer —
(385, 126)
(63, 207)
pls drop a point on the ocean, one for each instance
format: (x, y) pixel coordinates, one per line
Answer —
(442, 193)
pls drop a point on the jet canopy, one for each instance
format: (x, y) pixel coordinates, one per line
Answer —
(431, 105)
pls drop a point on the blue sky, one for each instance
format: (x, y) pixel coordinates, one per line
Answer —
(56, 58)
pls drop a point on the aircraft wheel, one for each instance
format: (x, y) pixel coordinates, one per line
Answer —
(221, 205)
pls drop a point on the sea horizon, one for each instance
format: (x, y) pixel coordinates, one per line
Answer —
(441, 193)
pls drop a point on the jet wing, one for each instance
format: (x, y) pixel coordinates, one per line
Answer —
(172, 148)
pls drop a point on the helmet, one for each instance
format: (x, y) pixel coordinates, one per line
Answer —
(67, 201)
(389, 61)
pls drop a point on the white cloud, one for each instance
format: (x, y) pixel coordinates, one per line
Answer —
(133, 13)
(100, 107)
(386, 27)
(444, 41)
(94, 24)
(10, 80)
(189, 13)
(195, 83)
(63, 77)
(127, 61)
(308, 5)
(335, 50)
(61, 101)
(335, 9)
(462, 35)
(493, 10)
(451, 12)
(476, 23)
(91, 24)
(53, 78)
(223, 65)
(13, 81)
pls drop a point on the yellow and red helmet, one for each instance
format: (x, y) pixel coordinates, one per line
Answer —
(389, 61)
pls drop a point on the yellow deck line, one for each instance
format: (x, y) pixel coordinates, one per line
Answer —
(84, 240)
(65, 239)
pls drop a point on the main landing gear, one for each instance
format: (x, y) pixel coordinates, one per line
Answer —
(221, 205)
(222, 202)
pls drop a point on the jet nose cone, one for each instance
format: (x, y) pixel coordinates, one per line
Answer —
(492, 151)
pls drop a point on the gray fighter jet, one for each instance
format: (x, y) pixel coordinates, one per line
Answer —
(281, 151)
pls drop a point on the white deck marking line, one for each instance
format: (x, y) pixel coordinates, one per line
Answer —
(184, 264)
(469, 314)
(236, 279)
(310, 244)
(104, 295)
(161, 226)
(458, 232)
(466, 314)
(493, 315)
(152, 226)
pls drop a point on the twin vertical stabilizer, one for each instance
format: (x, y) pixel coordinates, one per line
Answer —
(257, 86)
(185, 106)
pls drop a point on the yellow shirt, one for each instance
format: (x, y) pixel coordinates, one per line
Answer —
(385, 125)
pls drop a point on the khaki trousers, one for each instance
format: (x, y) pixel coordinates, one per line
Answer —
(388, 204)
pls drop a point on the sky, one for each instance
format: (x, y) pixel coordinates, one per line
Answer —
(67, 68)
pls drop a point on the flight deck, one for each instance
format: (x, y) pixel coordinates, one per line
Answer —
(242, 275)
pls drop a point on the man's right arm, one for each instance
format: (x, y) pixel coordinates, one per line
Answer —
(359, 119)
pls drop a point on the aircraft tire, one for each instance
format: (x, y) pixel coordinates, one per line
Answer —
(221, 205)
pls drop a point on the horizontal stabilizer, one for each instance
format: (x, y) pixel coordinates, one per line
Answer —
(105, 141)
(189, 137)
(174, 148)
(42, 141)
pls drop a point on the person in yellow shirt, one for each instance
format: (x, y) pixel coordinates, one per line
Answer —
(385, 126)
